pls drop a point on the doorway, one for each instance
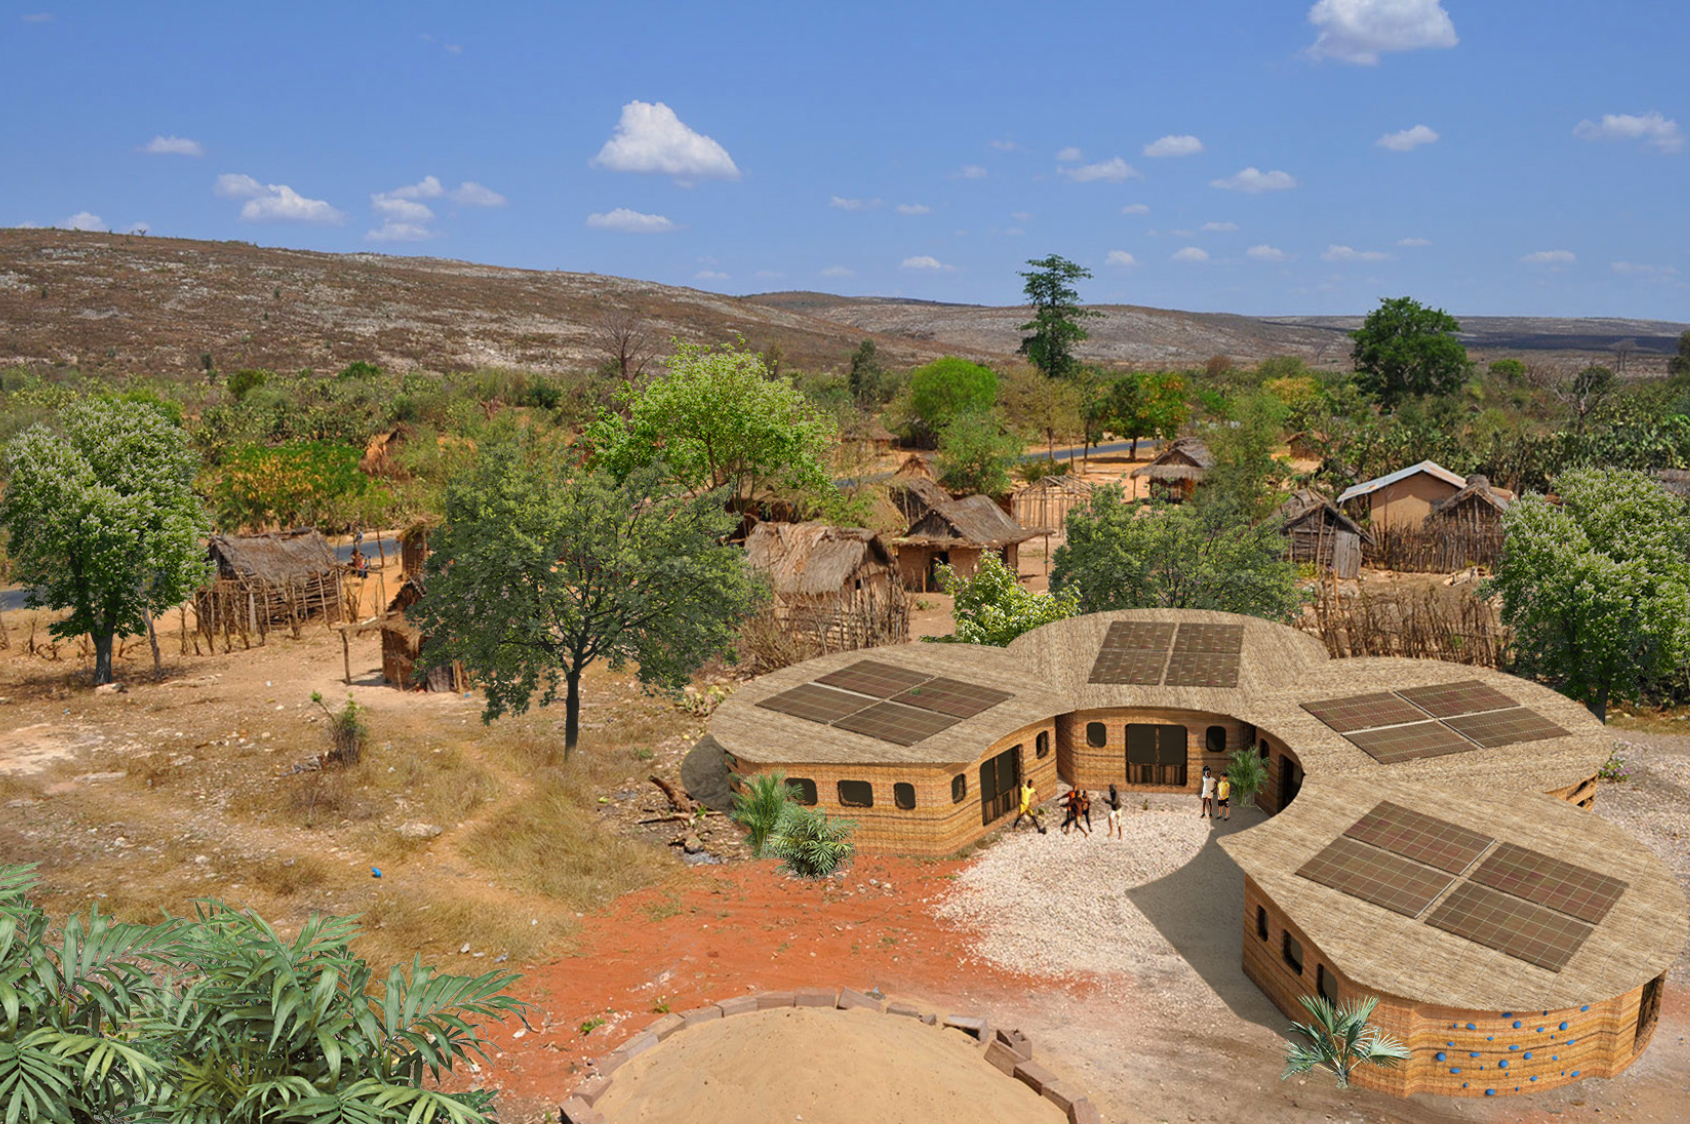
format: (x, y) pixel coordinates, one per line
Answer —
(1290, 781)
(934, 561)
(1156, 754)
(1000, 777)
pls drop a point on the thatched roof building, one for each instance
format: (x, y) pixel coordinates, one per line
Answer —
(915, 496)
(1318, 532)
(1477, 505)
(840, 583)
(956, 532)
(868, 436)
(1175, 472)
(402, 644)
(915, 465)
(275, 578)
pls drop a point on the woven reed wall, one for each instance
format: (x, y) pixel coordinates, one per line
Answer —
(1455, 1053)
(1091, 767)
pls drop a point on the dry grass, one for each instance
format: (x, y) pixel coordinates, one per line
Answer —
(550, 843)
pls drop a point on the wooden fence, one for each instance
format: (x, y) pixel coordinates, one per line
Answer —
(1442, 550)
(1442, 623)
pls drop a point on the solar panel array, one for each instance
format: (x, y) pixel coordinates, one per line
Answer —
(1432, 721)
(1520, 902)
(1151, 653)
(880, 700)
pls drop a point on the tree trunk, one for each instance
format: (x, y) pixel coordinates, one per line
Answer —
(1598, 707)
(571, 711)
(102, 658)
(152, 638)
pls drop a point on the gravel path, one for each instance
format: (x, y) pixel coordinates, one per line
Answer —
(1654, 805)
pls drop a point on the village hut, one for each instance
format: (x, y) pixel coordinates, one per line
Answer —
(1316, 531)
(1476, 507)
(956, 533)
(915, 496)
(1176, 471)
(1043, 505)
(838, 583)
(284, 577)
(917, 466)
(402, 645)
(1403, 498)
(868, 438)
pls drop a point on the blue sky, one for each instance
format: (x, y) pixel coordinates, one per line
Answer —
(1254, 156)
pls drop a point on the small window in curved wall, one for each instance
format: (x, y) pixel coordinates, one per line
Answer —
(1041, 744)
(903, 795)
(856, 794)
(1264, 751)
(1324, 984)
(802, 790)
(1293, 953)
(1214, 740)
(1097, 735)
(959, 788)
(1262, 922)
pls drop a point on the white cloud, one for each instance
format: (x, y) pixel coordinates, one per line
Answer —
(1113, 170)
(1359, 31)
(469, 193)
(1652, 129)
(1009, 231)
(926, 263)
(1406, 140)
(971, 172)
(84, 220)
(1550, 257)
(1070, 154)
(1174, 146)
(472, 194)
(401, 210)
(1254, 181)
(1336, 253)
(274, 202)
(395, 230)
(1190, 253)
(1004, 145)
(1264, 252)
(650, 138)
(1414, 243)
(1135, 209)
(709, 275)
(624, 221)
(405, 219)
(913, 209)
(173, 146)
(844, 204)
(838, 271)
(1220, 227)
(1647, 272)
(1120, 257)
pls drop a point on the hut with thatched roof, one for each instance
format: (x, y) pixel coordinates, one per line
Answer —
(956, 532)
(1043, 505)
(1317, 531)
(915, 496)
(916, 465)
(837, 583)
(284, 577)
(869, 438)
(1177, 470)
(402, 645)
(1476, 507)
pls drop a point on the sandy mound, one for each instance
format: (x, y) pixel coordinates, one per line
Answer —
(821, 1067)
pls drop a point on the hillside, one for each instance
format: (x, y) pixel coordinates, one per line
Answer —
(129, 304)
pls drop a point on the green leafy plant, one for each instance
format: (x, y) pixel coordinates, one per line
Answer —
(347, 732)
(992, 607)
(810, 843)
(759, 807)
(590, 1025)
(1338, 1039)
(1247, 775)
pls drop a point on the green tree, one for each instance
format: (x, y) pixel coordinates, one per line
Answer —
(1057, 325)
(1244, 482)
(1678, 366)
(1339, 1040)
(1119, 556)
(300, 483)
(1404, 348)
(1510, 371)
(717, 420)
(1143, 404)
(538, 570)
(103, 521)
(1041, 407)
(976, 454)
(993, 607)
(948, 388)
(868, 379)
(1597, 589)
(1247, 773)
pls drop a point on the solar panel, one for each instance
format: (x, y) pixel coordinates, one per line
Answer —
(1517, 928)
(896, 723)
(1389, 881)
(1148, 635)
(1128, 665)
(1210, 638)
(1435, 842)
(1547, 881)
(1202, 669)
(953, 697)
(818, 704)
(1466, 696)
(1364, 712)
(868, 677)
(1406, 743)
(1506, 727)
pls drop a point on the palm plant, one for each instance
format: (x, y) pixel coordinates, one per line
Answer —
(809, 843)
(1339, 1040)
(1247, 774)
(758, 809)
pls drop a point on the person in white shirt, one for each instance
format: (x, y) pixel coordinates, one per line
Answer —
(1207, 808)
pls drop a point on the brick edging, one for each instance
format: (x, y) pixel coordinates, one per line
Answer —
(1008, 1051)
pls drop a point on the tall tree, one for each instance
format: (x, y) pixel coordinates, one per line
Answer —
(1057, 324)
(867, 379)
(1597, 589)
(103, 521)
(1244, 482)
(626, 340)
(948, 388)
(976, 453)
(1147, 404)
(538, 573)
(1404, 348)
(1040, 407)
(1678, 367)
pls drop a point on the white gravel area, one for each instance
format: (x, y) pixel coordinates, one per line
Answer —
(1058, 905)
(1653, 803)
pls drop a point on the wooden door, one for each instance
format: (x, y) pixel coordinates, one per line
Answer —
(1000, 782)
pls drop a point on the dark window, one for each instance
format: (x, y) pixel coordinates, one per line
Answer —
(903, 795)
(959, 788)
(1262, 922)
(1041, 744)
(802, 790)
(1214, 740)
(1264, 751)
(1156, 754)
(1648, 1014)
(856, 794)
(1293, 953)
(1097, 735)
(999, 779)
(1324, 984)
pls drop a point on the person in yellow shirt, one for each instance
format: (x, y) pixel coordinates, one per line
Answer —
(1029, 797)
(1223, 797)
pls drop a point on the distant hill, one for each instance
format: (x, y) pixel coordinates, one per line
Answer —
(132, 304)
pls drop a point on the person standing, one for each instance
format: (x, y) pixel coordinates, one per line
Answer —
(1113, 803)
(1207, 807)
(1029, 795)
(1223, 797)
(1071, 810)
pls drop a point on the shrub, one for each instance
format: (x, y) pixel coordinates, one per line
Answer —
(758, 809)
(810, 843)
(1616, 768)
(1247, 775)
(347, 732)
